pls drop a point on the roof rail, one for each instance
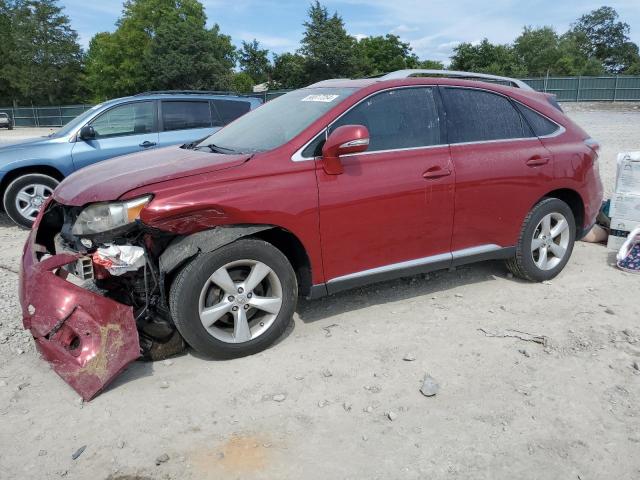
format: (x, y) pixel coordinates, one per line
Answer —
(513, 82)
(187, 92)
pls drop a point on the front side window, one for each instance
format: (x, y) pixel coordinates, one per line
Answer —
(129, 119)
(478, 115)
(396, 119)
(185, 115)
(276, 122)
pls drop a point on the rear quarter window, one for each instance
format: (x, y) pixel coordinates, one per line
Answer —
(228, 110)
(478, 115)
(540, 125)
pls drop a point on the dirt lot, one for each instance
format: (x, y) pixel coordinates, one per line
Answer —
(506, 408)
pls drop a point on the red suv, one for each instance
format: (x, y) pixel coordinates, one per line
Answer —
(336, 185)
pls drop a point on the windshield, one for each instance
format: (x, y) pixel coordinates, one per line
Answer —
(75, 123)
(276, 122)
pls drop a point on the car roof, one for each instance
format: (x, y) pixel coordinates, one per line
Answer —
(183, 95)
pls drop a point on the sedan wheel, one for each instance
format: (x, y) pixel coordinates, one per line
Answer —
(25, 196)
(550, 241)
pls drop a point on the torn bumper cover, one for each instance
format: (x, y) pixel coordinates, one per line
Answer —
(88, 339)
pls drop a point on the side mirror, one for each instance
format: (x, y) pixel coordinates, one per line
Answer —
(342, 141)
(87, 133)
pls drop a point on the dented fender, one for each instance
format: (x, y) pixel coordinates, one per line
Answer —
(184, 248)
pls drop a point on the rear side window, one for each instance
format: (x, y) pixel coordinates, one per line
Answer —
(478, 115)
(401, 118)
(540, 125)
(185, 115)
(228, 110)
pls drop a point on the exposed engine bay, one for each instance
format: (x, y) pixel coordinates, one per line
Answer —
(123, 265)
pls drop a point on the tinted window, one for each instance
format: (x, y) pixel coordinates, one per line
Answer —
(228, 110)
(185, 115)
(539, 124)
(402, 118)
(478, 115)
(128, 119)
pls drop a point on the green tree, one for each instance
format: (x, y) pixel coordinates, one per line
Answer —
(486, 57)
(42, 61)
(380, 54)
(326, 45)
(430, 64)
(242, 82)
(289, 70)
(538, 49)
(254, 61)
(601, 35)
(159, 44)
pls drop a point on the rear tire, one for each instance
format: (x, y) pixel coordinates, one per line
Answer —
(546, 241)
(25, 195)
(221, 312)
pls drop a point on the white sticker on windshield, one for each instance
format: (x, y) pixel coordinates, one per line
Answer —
(320, 98)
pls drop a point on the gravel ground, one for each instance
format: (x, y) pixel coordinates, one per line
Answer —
(339, 396)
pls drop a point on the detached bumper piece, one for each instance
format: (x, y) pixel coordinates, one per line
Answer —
(87, 338)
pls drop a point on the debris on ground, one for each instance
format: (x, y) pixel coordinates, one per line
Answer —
(78, 452)
(162, 459)
(524, 336)
(279, 397)
(326, 373)
(409, 357)
(524, 352)
(327, 329)
(429, 386)
(391, 415)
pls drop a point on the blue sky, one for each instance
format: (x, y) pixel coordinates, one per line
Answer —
(432, 27)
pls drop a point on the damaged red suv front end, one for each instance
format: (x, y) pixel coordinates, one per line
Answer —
(88, 338)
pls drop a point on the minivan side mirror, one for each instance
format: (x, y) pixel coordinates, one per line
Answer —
(87, 133)
(342, 141)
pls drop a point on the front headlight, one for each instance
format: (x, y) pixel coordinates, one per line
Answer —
(102, 217)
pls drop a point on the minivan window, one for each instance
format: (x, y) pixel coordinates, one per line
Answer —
(277, 121)
(185, 115)
(478, 115)
(400, 118)
(540, 125)
(128, 119)
(226, 111)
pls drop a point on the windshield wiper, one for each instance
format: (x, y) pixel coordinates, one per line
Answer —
(217, 149)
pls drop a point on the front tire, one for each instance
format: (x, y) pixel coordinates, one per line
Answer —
(25, 195)
(236, 300)
(546, 241)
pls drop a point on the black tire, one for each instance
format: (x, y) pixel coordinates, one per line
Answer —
(10, 127)
(186, 287)
(9, 198)
(522, 264)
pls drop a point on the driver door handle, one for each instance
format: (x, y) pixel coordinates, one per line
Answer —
(436, 172)
(147, 144)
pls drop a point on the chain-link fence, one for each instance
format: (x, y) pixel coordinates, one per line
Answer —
(566, 89)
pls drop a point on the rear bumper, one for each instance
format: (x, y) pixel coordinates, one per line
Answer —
(87, 338)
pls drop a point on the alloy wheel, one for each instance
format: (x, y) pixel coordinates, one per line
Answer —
(30, 199)
(240, 301)
(550, 241)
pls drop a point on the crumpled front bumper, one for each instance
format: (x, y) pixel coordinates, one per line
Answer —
(87, 338)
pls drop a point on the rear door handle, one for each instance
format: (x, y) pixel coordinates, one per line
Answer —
(436, 172)
(147, 144)
(537, 161)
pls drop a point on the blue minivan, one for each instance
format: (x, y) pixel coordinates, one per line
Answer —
(30, 171)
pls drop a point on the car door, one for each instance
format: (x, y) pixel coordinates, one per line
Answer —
(391, 212)
(184, 121)
(501, 168)
(126, 128)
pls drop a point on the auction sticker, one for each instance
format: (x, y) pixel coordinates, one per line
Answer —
(320, 98)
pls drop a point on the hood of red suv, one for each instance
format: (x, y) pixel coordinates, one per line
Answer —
(113, 178)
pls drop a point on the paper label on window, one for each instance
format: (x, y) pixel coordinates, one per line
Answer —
(320, 98)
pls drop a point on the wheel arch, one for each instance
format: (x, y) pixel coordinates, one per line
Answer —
(575, 202)
(181, 249)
